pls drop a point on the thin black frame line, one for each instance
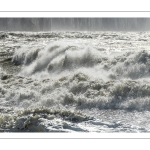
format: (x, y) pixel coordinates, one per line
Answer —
(76, 11)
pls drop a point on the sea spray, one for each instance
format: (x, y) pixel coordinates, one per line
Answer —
(75, 82)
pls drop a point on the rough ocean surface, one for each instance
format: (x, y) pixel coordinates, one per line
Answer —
(75, 82)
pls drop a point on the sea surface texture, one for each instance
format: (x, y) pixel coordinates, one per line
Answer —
(75, 82)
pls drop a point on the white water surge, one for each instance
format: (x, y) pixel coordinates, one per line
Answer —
(75, 82)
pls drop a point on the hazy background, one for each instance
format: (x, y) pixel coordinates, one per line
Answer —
(74, 24)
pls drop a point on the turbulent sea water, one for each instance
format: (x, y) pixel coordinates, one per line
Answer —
(75, 82)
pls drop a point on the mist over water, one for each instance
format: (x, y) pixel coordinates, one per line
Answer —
(74, 24)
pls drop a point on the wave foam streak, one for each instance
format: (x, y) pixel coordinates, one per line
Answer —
(101, 76)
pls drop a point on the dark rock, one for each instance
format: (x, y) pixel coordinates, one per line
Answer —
(4, 77)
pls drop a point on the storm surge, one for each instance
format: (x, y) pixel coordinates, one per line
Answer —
(87, 77)
(100, 78)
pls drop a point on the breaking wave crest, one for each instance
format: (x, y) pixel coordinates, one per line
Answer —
(56, 57)
(59, 57)
(56, 85)
(84, 77)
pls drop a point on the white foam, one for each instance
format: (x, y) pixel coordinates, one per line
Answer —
(81, 74)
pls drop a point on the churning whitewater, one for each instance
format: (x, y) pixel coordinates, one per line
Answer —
(75, 81)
